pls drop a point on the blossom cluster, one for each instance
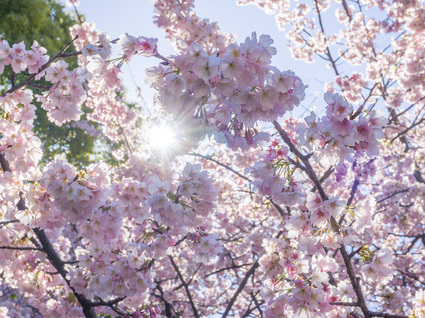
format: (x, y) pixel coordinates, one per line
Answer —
(104, 84)
(141, 45)
(18, 142)
(419, 303)
(336, 138)
(186, 212)
(21, 59)
(183, 27)
(204, 85)
(267, 230)
(64, 99)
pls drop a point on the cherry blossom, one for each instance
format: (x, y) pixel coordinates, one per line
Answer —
(259, 213)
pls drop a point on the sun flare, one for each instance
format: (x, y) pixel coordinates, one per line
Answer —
(161, 137)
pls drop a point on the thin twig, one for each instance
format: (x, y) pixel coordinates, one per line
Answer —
(407, 129)
(393, 194)
(222, 164)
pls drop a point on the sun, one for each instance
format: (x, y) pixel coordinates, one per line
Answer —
(161, 137)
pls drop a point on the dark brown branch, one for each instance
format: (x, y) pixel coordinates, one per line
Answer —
(411, 236)
(350, 199)
(191, 278)
(412, 276)
(326, 175)
(257, 303)
(240, 288)
(407, 129)
(308, 168)
(359, 110)
(70, 54)
(186, 287)
(53, 257)
(223, 165)
(181, 240)
(278, 208)
(355, 252)
(168, 306)
(297, 164)
(342, 303)
(58, 264)
(353, 191)
(257, 306)
(4, 163)
(406, 110)
(46, 246)
(385, 315)
(8, 222)
(355, 282)
(78, 14)
(347, 10)
(13, 79)
(226, 269)
(20, 248)
(393, 194)
(35, 85)
(417, 174)
(328, 52)
(101, 302)
(412, 244)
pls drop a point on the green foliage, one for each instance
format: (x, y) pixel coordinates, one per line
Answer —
(43, 20)
(58, 139)
(47, 22)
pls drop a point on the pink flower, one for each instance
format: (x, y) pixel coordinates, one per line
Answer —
(141, 45)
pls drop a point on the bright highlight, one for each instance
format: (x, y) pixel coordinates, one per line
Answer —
(161, 137)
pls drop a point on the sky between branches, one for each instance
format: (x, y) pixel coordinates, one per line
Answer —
(135, 18)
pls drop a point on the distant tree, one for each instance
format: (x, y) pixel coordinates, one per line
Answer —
(45, 21)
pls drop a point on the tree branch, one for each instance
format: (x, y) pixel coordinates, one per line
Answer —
(313, 177)
(58, 264)
(20, 248)
(407, 129)
(223, 165)
(186, 287)
(326, 175)
(8, 222)
(240, 288)
(4, 163)
(385, 315)
(342, 303)
(393, 194)
(35, 85)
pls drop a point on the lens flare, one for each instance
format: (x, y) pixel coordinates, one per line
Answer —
(161, 137)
